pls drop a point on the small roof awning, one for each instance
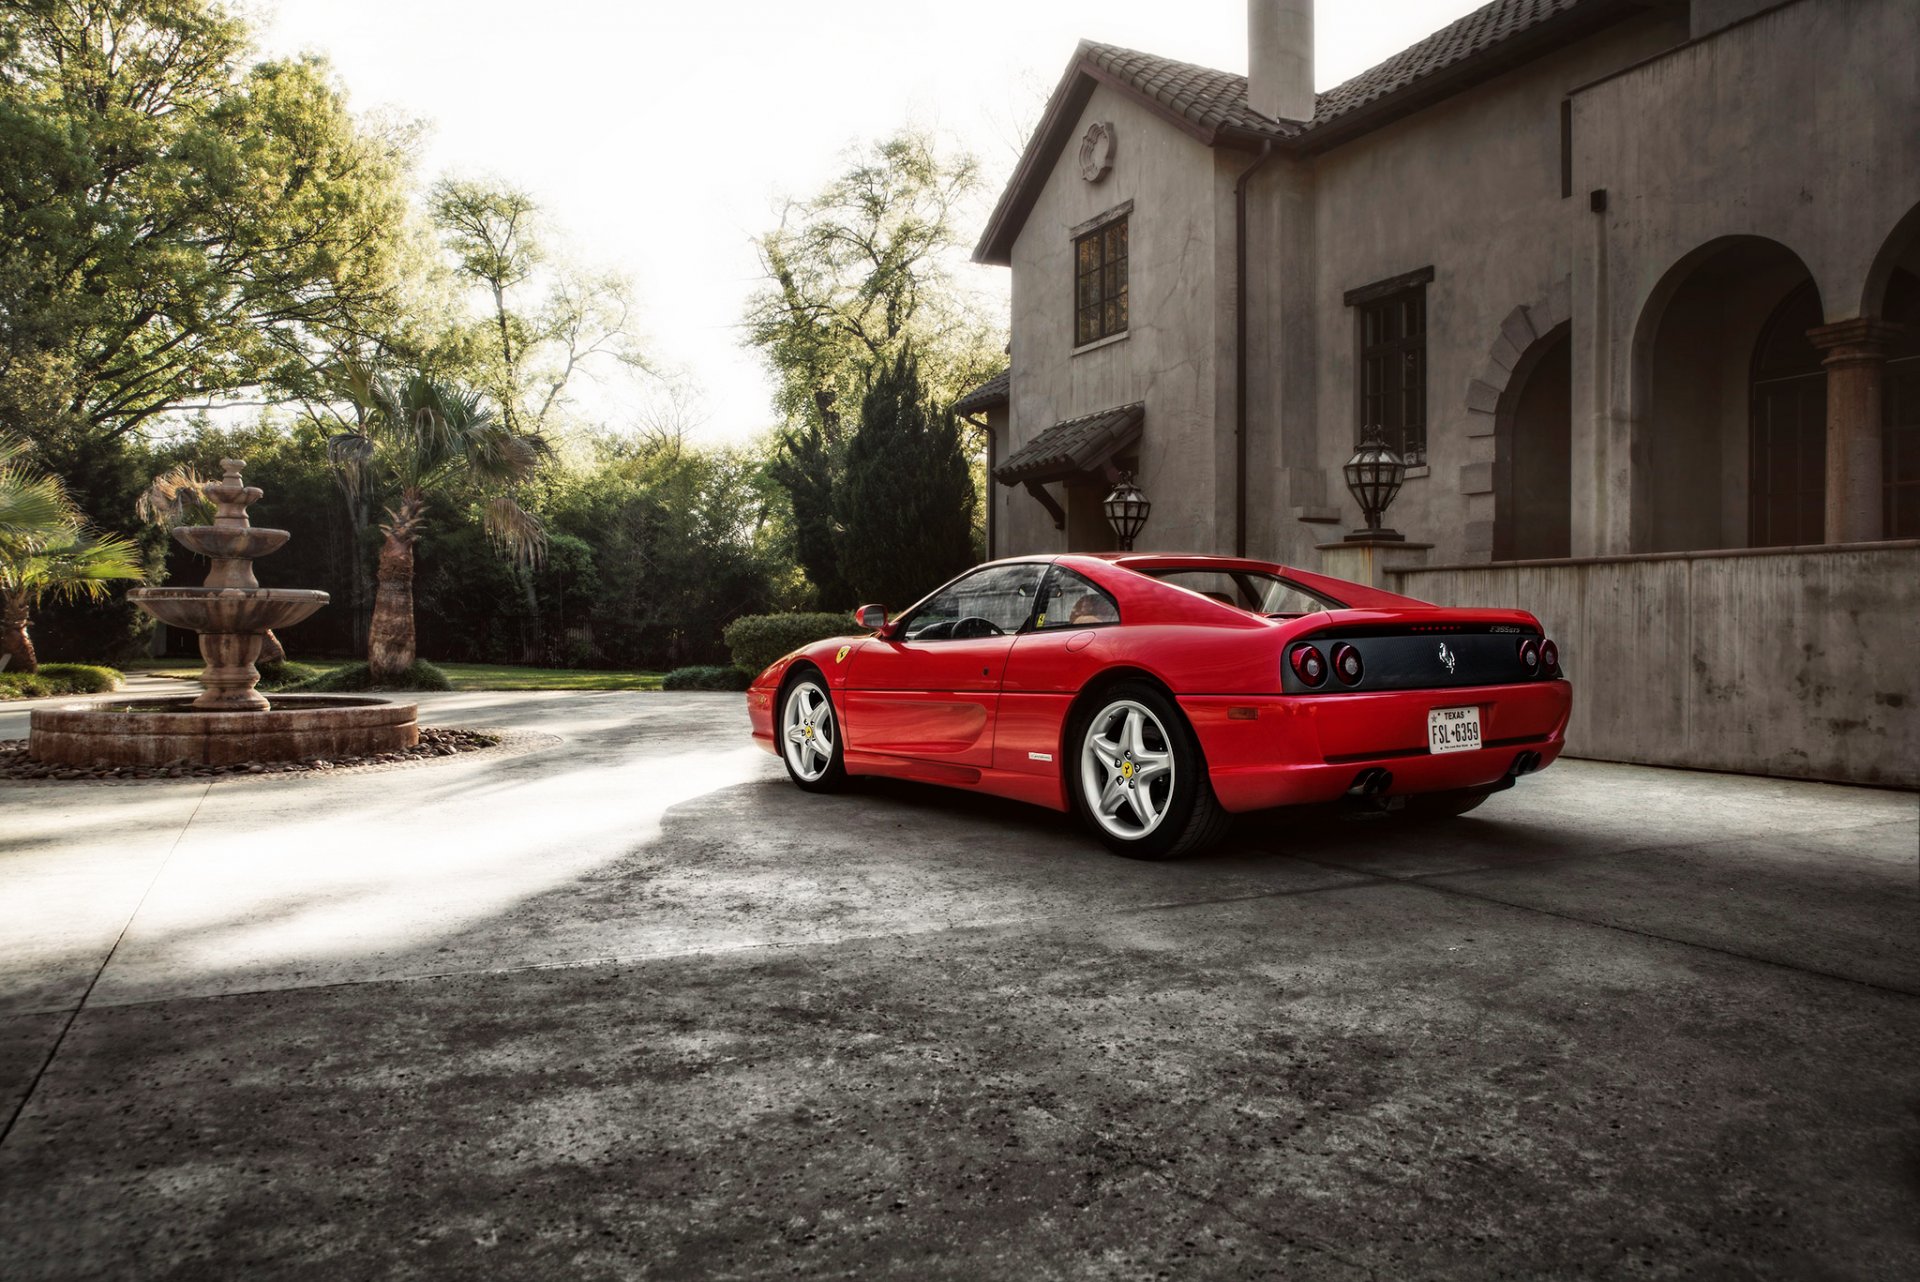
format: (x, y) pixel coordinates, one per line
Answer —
(1078, 447)
(990, 395)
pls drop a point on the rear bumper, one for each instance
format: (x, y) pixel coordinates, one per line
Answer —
(1283, 750)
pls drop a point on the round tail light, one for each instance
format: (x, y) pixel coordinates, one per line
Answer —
(1530, 655)
(1346, 664)
(1550, 657)
(1308, 665)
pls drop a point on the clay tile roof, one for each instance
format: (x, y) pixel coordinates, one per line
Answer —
(1077, 446)
(991, 394)
(1213, 100)
(1478, 32)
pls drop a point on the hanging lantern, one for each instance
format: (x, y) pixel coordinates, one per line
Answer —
(1127, 509)
(1374, 474)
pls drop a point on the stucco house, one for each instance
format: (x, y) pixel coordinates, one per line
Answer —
(1621, 279)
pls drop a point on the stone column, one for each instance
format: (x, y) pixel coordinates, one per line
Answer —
(1856, 360)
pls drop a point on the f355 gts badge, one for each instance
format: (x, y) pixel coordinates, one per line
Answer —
(1448, 657)
(841, 657)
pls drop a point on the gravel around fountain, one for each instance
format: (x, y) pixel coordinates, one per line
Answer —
(435, 743)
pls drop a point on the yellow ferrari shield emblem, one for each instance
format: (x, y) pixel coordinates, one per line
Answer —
(845, 650)
(1126, 770)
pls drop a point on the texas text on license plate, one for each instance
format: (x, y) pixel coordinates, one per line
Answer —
(1453, 729)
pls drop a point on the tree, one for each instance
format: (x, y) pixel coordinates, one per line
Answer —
(526, 352)
(853, 276)
(906, 503)
(46, 550)
(174, 225)
(422, 438)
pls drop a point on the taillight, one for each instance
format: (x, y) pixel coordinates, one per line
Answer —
(1308, 665)
(1346, 664)
(1530, 655)
(1550, 658)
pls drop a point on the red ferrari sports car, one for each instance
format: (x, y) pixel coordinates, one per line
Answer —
(1157, 694)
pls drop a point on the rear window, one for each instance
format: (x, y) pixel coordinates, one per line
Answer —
(1249, 590)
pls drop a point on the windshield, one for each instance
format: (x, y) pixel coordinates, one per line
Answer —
(1249, 590)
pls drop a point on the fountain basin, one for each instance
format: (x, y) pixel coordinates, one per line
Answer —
(158, 732)
(227, 542)
(228, 610)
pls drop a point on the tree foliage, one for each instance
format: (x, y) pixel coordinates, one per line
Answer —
(853, 276)
(47, 550)
(906, 503)
(174, 224)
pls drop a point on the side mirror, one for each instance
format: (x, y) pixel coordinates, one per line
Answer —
(871, 617)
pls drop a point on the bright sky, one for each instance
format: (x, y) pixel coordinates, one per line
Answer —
(659, 137)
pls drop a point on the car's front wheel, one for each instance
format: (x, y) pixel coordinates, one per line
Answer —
(1138, 779)
(810, 741)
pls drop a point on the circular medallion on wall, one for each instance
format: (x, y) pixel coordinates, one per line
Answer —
(1096, 151)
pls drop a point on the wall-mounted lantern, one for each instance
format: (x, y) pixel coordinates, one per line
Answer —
(1374, 474)
(1127, 508)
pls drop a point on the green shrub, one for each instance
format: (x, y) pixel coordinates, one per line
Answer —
(706, 677)
(82, 678)
(25, 685)
(55, 679)
(758, 639)
(287, 673)
(357, 676)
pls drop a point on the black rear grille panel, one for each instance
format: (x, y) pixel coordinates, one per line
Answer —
(1430, 660)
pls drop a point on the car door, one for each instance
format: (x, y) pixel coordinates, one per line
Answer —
(930, 691)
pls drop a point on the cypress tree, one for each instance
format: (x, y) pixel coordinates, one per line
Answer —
(906, 500)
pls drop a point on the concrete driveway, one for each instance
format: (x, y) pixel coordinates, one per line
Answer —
(622, 1002)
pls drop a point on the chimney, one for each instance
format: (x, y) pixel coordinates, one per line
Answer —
(1280, 58)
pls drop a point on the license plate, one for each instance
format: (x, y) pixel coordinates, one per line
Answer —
(1453, 729)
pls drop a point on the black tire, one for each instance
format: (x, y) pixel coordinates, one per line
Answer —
(1442, 805)
(802, 756)
(1189, 817)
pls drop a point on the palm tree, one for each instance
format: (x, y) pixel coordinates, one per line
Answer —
(418, 439)
(47, 550)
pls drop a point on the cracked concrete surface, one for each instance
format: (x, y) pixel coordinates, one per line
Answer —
(636, 1007)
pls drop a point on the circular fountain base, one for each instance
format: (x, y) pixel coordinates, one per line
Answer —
(158, 732)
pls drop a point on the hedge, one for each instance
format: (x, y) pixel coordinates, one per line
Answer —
(58, 679)
(357, 676)
(706, 678)
(758, 639)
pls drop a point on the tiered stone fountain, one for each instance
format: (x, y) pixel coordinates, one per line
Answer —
(231, 722)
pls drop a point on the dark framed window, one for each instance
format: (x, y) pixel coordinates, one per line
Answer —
(1393, 368)
(1787, 442)
(1100, 283)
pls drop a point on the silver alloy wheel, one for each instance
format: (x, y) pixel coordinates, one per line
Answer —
(807, 726)
(1126, 769)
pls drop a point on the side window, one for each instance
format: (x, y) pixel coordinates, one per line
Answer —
(1074, 601)
(986, 603)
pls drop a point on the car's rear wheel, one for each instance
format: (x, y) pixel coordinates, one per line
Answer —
(1138, 779)
(810, 740)
(1442, 805)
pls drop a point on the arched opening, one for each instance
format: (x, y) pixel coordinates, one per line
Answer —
(1787, 477)
(1893, 294)
(1699, 475)
(1900, 466)
(1533, 453)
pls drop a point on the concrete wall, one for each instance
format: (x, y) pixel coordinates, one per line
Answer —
(1796, 125)
(1797, 661)
(1171, 356)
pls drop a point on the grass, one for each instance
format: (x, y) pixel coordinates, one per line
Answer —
(55, 679)
(464, 676)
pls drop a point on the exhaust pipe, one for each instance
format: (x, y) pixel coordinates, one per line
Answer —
(1370, 782)
(1524, 764)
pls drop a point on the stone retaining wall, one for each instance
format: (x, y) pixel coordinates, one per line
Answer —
(1803, 662)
